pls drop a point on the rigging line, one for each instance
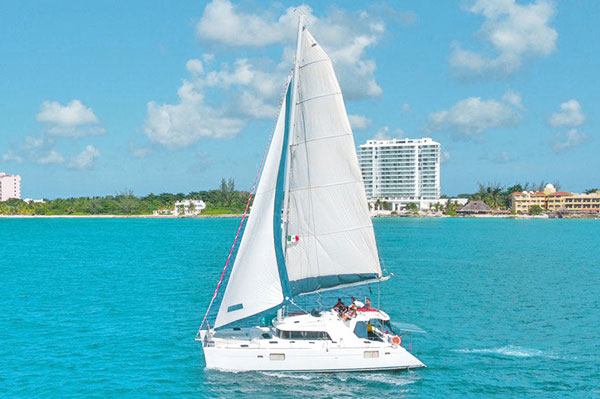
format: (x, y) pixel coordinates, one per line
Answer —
(298, 306)
(237, 234)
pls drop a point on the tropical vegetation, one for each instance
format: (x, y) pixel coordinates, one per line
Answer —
(225, 200)
(497, 196)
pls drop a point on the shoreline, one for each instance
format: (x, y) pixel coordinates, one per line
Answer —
(239, 215)
(222, 216)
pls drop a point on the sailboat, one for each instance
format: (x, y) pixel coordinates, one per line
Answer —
(308, 231)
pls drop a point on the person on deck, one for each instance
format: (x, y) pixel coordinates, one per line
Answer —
(350, 313)
(357, 303)
(339, 307)
(367, 304)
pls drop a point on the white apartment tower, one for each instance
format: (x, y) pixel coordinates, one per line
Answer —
(401, 171)
(10, 186)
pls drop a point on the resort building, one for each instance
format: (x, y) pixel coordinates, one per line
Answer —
(10, 186)
(551, 200)
(401, 171)
(583, 202)
(475, 208)
(183, 208)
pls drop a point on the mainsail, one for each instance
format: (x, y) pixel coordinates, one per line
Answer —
(328, 211)
(312, 232)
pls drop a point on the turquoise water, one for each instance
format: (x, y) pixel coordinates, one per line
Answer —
(102, 308)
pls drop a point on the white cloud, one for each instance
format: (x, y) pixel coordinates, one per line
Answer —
(72, 114)
(253, 105)
(503, 157)
(140, 152)
(444, 157)
(85, 159)
(516, 32)
(208, 58)
(573, 138)
(71, 120)
(195, 67)
(345, 36)
(569, 115)
(184, 123)
(222, 23)
(385, 133)
(35, 142)
(252, 93)
(405, 107)
(220, 99)
(11, 156)
(513, 98)
(49, 158)
(471, 116)
(359, 122)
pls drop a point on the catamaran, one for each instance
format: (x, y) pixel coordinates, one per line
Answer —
(308, 231)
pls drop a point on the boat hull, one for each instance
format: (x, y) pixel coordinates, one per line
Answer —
(322, 359)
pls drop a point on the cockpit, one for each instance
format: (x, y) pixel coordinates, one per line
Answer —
(373, 329)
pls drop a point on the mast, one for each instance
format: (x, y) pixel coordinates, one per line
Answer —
(292, 127)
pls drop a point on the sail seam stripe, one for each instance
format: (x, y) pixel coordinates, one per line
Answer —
(322, 138)
(339, 231)
(326, 185)
(321, 96)
(313, 62)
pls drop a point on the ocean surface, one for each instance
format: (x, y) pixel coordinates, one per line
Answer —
(108, 308)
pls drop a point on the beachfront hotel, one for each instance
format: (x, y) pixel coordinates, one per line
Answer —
(401, 171)
(10, 186)
(551, 200)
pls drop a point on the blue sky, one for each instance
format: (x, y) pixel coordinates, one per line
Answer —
(170, 97)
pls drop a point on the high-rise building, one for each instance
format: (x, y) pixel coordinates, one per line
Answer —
(10, 186)
(401, 171)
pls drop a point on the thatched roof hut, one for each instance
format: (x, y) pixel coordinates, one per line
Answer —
(475, 207)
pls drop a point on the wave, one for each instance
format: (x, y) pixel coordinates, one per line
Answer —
(288, 375)
(509, 351)
(388, 378)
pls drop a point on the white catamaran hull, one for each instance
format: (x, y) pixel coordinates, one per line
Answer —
(322, 359)
(305, 342)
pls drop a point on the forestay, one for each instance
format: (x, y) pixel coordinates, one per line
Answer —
(255, 282)
(330, 234)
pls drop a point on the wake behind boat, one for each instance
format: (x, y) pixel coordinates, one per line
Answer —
(309, 231)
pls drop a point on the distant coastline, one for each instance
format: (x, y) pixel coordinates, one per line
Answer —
(239, 215)
(219, 216)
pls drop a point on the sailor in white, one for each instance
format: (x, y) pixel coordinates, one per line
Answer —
(357, 303)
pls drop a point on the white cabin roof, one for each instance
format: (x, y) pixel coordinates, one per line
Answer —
(308, 322)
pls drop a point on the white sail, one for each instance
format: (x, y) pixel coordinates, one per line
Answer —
(330, 234)
(255, 283)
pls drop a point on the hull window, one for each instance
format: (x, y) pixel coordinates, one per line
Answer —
(277, 356)
(371, 354)
(303, 335)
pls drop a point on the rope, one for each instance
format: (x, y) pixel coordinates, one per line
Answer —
(237, 234)
(298, 306)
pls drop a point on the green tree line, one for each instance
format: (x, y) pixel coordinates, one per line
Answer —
(226, 199)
